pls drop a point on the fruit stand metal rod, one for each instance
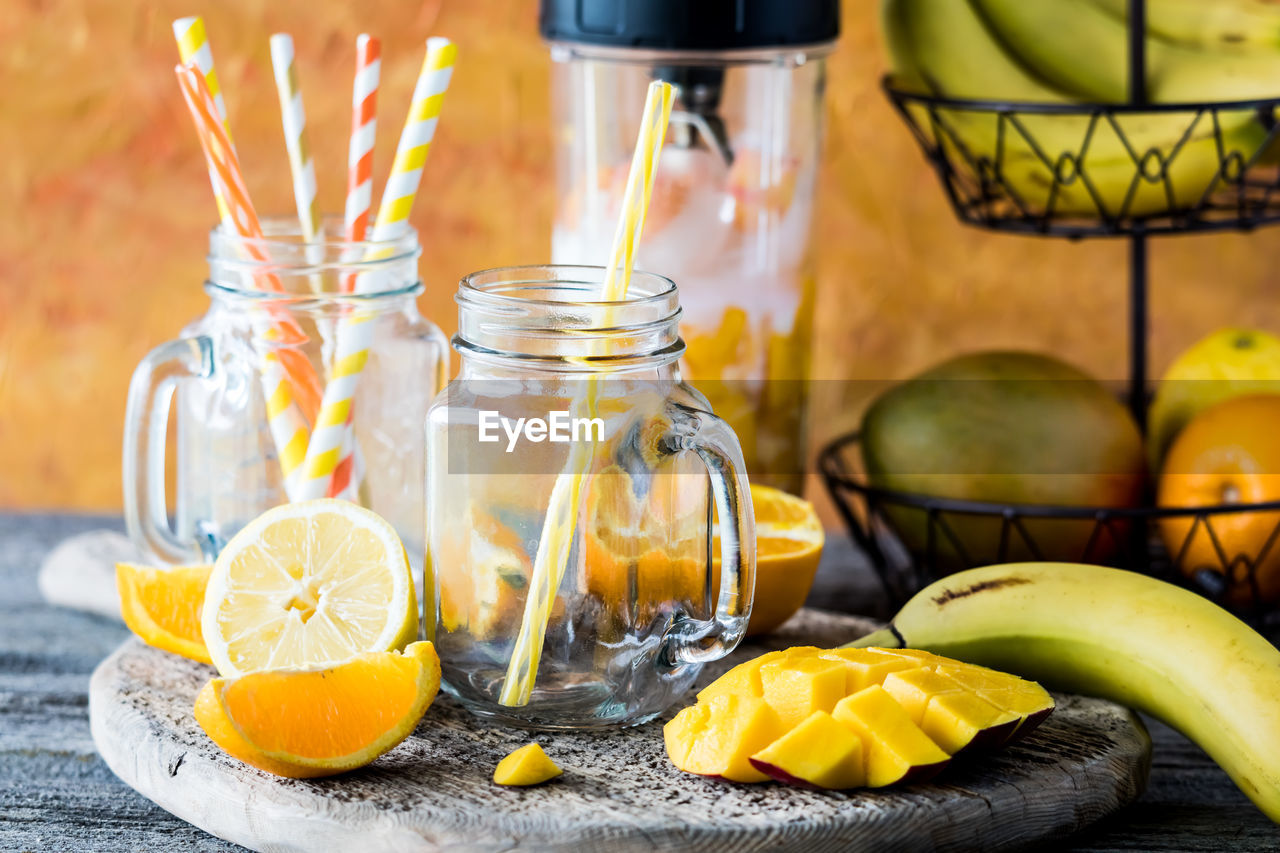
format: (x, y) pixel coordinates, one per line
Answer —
(1138, 240)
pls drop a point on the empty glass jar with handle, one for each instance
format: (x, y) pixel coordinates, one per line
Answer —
(571, 483)
(293, 330)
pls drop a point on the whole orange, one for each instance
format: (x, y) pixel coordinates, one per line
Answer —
(1228, 454)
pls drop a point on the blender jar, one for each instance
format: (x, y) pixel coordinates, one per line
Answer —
(733, 202)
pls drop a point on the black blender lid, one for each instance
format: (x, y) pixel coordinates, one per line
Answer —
(690, 24)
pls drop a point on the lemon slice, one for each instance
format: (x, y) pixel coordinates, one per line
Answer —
(306, 584)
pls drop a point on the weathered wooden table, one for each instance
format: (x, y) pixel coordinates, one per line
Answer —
(56, 794)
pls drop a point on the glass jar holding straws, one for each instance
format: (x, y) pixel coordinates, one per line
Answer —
(249, 376)
(311, 373)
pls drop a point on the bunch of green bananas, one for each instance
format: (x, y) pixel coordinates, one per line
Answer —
(1119, 635)
(1076, 51)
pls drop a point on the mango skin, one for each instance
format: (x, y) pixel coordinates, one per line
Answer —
(1004, 427)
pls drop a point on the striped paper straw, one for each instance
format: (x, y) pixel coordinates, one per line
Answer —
(364, 122)
(355, 333)
(556, 540)
(286, 420)
(294, 118)
(193, 48)
(415, 140)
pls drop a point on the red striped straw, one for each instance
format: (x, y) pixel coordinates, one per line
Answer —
(364, 123)
(225, 165)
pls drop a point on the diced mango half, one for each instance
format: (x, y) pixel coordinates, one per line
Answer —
(528, 765)
(818, 753)
(796, 715)
(897, 750)
(798, 686)
(718, 737)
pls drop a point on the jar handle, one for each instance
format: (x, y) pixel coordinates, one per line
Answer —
(146, 425)
(700, 641)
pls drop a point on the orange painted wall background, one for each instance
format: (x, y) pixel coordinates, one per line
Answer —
(104, 206)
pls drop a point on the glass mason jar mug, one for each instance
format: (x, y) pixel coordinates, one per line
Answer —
(571, 477)
(293, 329)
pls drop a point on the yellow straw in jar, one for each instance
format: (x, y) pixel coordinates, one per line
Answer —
(558, 530)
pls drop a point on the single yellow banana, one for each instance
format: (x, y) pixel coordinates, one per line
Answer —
(1216, 24)
(1083, 50)
(1122, 636)
(943, 47)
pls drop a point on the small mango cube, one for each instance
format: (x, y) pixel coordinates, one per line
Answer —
(818, 753)
(1027, 699)
(528, 765)
(743, 679)
(798, 686)
(896, 748)
(865, 667)
(719, 736)
(948, 712)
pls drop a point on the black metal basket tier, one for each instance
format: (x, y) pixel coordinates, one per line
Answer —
(1034, 168)
(943, 539)
(1079, 170)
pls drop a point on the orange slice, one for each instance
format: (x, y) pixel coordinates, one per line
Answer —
(641, 549)
(162, 606)
(789, 542)
(304, 723)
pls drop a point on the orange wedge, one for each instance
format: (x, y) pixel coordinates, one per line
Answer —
(162, 606)
(303, 723)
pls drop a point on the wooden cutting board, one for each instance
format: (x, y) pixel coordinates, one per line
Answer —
(618, 791)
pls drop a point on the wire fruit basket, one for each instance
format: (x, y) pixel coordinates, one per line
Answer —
(950, 535)
(1081, 170)
(1090, 170)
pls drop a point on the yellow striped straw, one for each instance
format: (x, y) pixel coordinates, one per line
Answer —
(288, 428)
(193, 46)
(294, 118)
(415, 140)
(557, 536)
(355, 332)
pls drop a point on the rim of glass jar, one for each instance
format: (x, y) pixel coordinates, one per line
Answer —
(286, 252)
(476, 295)
(794, 55)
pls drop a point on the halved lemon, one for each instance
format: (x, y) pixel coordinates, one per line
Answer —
(304, 723)
(307, 584)
(162, 605)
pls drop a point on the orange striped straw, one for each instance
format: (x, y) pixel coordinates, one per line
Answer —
(364, 123)
(294, 401)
